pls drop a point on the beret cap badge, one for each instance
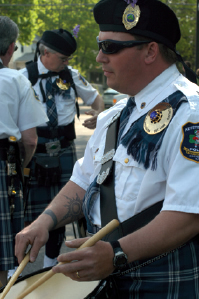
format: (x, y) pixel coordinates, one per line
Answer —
(131, 16)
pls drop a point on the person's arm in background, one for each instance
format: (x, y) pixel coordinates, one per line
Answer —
(29, 143)
(97, 108)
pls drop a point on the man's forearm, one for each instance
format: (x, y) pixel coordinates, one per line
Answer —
(156, 237)
(98, 104)
(29, 143)
(29, 152)
(66, 207)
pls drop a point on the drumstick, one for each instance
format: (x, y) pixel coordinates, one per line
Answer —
(1, 284)
(16, 275)
(90, 242)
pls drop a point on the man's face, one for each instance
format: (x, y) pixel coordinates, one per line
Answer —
(124, 69)
(55, 62)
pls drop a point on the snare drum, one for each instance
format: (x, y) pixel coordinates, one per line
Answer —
(58, 286)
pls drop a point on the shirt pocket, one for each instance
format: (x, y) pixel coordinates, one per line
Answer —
(128, 177)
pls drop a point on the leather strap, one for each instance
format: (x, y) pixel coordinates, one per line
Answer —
(134, 223)
(107, 194)
(108, 208)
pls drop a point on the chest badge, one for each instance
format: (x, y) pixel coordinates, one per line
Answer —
(62, 84)
(158, 118)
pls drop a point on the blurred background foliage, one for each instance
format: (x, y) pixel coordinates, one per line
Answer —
(35, 16)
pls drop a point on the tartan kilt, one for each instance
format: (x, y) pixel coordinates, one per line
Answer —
(40, 196)
(169, 276)
(8, 228)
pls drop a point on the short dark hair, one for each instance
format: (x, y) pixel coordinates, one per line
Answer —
(8, 33)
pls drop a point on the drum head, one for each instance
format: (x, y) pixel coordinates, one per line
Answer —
(59, 286)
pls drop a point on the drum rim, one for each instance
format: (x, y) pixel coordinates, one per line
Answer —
(27, 276)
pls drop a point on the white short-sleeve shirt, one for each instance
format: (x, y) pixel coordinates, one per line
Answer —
(137, 188)
(20, 110)
(65, 106)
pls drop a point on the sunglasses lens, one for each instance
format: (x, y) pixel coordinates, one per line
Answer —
(112, 47)
(108, 47)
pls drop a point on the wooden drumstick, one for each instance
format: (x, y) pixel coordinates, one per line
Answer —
(16, 275)
(90, 242)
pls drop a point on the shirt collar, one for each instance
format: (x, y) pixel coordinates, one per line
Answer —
(41, 68)
(157, 90)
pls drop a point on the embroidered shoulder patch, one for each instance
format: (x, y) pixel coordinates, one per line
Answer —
(35, 94)
(83, 80)
(190, 143)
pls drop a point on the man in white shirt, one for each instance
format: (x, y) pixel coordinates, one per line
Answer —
(56, 147)
(154, 254)
(20, 113)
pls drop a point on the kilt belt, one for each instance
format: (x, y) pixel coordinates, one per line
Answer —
(67, 131)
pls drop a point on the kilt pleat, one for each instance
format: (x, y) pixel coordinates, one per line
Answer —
(40, 196)
(8, 228)
(171, 276)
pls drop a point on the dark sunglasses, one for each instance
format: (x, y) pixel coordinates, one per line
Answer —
(110, 46)
(16, 47)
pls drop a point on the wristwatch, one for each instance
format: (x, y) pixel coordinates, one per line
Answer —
(120, 259)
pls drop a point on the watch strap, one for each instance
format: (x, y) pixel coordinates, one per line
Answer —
(115, 244)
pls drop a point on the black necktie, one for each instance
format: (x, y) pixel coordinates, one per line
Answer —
(125, 116)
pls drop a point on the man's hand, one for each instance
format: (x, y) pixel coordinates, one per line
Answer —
(91, 263)
(34, 235)
(97, 108)
(90, 123)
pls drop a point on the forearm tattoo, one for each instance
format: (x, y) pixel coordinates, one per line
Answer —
(74, 209)
(52, 215)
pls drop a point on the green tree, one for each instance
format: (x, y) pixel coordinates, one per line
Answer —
(186, 13)
(67, 14)
(24, 15)
(36, 16)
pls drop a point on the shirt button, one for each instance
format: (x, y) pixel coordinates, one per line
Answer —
(143, 105)
(126, 160)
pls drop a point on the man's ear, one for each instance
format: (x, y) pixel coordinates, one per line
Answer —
(46, 53)
(152, 52)
(11, 49)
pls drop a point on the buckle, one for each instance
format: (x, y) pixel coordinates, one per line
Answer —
(53, 147)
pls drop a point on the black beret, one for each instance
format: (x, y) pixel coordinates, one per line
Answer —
(156, 21)
(59, 40)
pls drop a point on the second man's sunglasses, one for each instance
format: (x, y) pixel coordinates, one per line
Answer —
(110, 46)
